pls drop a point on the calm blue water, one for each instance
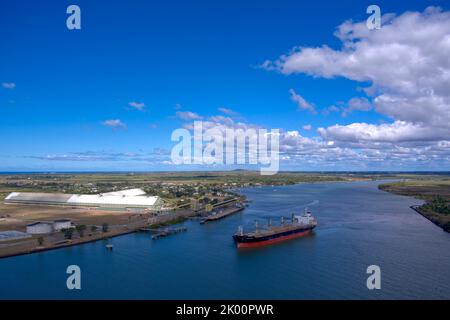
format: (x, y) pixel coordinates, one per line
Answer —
(358, 226)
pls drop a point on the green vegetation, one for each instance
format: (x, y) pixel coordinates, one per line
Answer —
(40, 241)
(80, 229)
(105, 227)
(68, 233)
(426, 188)
(94, 228)
(438, 205)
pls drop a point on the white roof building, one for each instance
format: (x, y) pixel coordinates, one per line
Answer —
(102, 199)
(125, 193)
(131, 198)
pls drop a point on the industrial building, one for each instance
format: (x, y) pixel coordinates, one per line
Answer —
(43, 227)
(60, 224)
(40, 227)
(134, 200)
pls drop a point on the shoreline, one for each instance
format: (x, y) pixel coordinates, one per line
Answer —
(66, 245)
(166, 221)
(417, 209)
(158, 222)
(425, 191)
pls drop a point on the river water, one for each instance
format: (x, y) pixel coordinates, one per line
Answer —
(359, 226)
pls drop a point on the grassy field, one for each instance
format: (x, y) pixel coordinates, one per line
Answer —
(426, 189)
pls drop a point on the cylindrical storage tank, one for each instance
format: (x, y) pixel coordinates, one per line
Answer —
(40, 228)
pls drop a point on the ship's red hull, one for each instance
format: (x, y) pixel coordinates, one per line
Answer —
(273, 241)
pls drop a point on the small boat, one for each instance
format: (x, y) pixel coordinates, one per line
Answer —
(109, 246)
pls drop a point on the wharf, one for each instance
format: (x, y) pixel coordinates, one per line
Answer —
(222, 214)
(164, 232)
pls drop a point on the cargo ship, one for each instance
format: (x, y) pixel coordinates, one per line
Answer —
(298, 227)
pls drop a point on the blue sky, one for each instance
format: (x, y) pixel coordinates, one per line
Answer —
(60, 87)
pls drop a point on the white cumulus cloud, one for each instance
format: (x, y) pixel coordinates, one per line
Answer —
(137, 105)
(405, 67)
(407, 63)
(115, 124)
(357, 104)
(301, 102)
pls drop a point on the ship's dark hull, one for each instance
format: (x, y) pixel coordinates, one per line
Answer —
(246, 241)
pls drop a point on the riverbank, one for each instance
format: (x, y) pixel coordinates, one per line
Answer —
(31, 245)
(15, 217)
(435, 192)
(65, 244)
(134, 223)
(94, 225)
(433, 217)
(356, 228)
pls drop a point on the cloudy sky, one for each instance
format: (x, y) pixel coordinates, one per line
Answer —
(108, 96)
